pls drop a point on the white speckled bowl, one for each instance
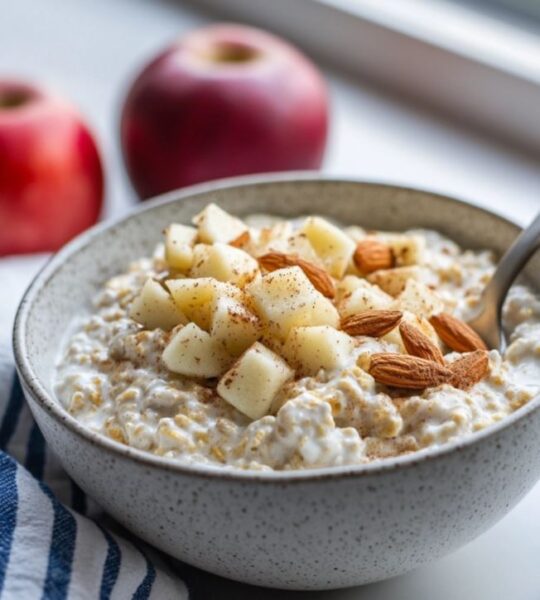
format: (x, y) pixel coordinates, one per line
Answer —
(315, 529)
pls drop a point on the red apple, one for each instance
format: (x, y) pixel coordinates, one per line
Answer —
(224, 100)
(51, 180)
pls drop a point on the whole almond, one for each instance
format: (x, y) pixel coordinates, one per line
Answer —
(456, 334)
(241, 240)
(411, 372)
(373, 323)
(319, 278)
(418, 344)
(469, 369)
(371, 255)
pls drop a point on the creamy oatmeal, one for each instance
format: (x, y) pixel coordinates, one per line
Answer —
(269, 344)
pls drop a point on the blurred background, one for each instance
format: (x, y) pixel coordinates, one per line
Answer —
(438, 94)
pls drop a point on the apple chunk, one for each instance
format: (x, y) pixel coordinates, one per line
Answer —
(286, 298)
(419, 299)
(224, 263)
(179, 240)
(358, 295)
(254, 380)
(234, 325)
(333, 245)
(347, 286)
(408, 249)
(195, 297)
(310, 349)
(194, 353)
(154, 308)
(216, 225)
(393, 281)
(282, 238)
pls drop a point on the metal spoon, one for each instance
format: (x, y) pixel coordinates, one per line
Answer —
(487, 321)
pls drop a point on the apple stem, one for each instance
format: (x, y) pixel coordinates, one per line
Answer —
(233, 52)
(13, 99)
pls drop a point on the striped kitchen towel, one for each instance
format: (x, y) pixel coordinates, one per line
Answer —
(55, 543)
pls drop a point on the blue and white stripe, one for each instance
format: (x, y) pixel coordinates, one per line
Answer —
(48, 549)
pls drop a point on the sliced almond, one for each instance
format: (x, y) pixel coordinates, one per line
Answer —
(371, 255)
(469, 369)
(410, 372)
(373, 323)
(456, 334)
(242, 240)
(319, 278)
(418, 343)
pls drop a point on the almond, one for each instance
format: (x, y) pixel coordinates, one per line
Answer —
(456, 334)
(411, 372)
(241, 240)
(418, 343)
(319, 278)
(371, 255)
(374, 323)
(469, 369)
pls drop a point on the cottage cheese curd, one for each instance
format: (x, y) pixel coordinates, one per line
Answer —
(112, 376)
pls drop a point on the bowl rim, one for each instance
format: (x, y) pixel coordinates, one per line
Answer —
(32, 384)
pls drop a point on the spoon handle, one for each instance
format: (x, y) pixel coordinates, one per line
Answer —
(510, 265)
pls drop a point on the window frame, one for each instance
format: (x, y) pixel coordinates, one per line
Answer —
(466, 64)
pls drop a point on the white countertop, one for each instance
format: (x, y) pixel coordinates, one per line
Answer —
(89, 50)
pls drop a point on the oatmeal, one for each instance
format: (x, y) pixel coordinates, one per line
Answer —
(272, 344)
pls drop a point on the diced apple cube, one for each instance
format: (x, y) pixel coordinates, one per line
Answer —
(363, 296)
(419, 299)
(407, 249)
(347, 286)
(288, 242)
(393, 281)
(286, 298)
(299, 245)
(234, 325)
(333, 245)
(254, 380)
(310, 349)
(195, 297)
(271, 239)
(216, 225)
(194, 353)
(154, 308)
(179, 240)
(200, 256)
(224, 263)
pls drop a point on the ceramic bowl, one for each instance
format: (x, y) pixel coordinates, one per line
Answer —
(312, 529)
